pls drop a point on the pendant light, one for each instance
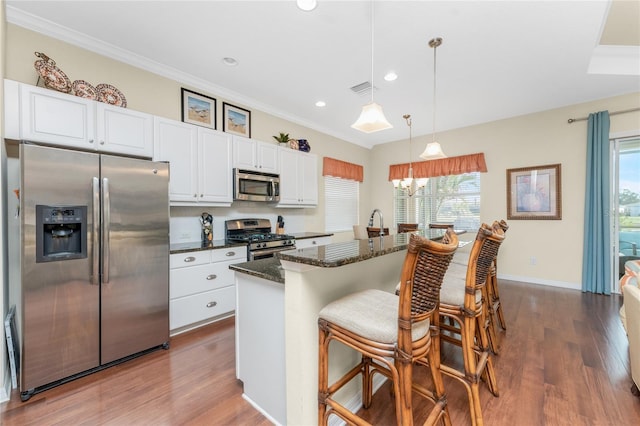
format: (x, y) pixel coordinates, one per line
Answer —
(433, 149)
(371, 118)
(409, 184)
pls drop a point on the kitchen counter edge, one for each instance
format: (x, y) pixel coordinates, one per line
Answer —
(200, 246)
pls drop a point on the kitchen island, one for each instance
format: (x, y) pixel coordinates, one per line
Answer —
(278, 301)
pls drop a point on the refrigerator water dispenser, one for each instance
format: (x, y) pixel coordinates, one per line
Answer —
(61, 233)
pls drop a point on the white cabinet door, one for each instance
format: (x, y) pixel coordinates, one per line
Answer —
(250, 154)
(244, 153)
(214, 159)
(177, 143)
(312, 242)
(308, 178)
(56, 118)
(267, 155)
(289, 177)
(124, 131)
(298, 178)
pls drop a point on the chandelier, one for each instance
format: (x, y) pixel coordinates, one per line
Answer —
(409, 184)
(433, 149)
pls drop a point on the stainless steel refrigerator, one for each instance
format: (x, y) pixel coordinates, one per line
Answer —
(94, 262)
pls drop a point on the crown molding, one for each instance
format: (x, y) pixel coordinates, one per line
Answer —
(615, 60)
(51, 29)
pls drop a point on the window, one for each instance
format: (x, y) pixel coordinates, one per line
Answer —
(341, 204)
(451, 199)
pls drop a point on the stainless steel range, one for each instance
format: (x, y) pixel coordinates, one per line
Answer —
(261, 242)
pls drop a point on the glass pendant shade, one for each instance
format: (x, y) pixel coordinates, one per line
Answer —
(432, 152)
(371, 119)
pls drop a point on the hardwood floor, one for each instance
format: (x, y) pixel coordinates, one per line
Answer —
(564, 361)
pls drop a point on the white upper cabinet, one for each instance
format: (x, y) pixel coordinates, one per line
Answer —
(124, 131)
(199, 162)
(298, 179)
(56, 118)
(250, 154)
(65, 120)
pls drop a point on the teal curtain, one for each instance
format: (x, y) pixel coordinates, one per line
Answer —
(596, 258)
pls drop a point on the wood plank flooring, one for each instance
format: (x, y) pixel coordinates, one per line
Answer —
(564, 361)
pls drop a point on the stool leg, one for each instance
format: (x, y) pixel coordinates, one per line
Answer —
(323, 374)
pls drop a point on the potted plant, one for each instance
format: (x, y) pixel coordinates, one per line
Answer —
(282, 138)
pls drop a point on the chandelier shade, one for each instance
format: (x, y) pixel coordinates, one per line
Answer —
(432, 151)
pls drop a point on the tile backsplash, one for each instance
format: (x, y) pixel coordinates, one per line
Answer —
(185, 221)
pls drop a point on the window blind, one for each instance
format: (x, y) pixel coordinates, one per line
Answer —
(341, 204)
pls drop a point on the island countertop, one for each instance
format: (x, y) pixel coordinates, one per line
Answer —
(268, 269)
(347, 252)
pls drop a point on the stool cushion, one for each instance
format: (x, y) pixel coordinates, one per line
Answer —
(452, 290)
(372, 314)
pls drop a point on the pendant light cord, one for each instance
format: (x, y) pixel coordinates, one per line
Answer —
(433, 133)
(372, 7)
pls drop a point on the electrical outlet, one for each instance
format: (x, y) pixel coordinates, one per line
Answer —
(533, 261)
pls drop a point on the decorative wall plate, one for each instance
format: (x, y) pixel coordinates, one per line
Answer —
(293, 144)
(111, 95)
(53, 77)
(84, 90)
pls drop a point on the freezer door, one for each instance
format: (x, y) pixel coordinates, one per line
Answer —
(135, 262)
(60, 302)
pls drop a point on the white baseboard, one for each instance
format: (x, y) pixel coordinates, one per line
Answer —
(257, 407)
(540, 281)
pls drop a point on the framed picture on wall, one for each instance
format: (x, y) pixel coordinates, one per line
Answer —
(534, 193)
(236, 120)
(198, 109)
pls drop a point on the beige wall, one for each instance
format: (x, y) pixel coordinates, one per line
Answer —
(530, 140)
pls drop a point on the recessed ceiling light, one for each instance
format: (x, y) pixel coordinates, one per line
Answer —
(229, 62)
(391, 76)
(321, 104)
(307, 5)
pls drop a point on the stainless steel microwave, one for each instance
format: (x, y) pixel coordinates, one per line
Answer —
(249, 185)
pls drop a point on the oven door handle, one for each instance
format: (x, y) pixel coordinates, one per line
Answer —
(263, 253)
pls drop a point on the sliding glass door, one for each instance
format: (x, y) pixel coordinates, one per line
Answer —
(626, 200)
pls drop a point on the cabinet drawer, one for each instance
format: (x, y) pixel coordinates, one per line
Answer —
(199, 278)
(202, 306)
(239, 254)
(192, 258)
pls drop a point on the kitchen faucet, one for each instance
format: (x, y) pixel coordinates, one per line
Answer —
(381, 220)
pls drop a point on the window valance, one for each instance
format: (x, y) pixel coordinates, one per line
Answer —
(440, 167)
(342, 169)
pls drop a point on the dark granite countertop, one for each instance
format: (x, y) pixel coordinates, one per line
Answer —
(306, 235)
(200, 246)
(268, 269)
(344, 253)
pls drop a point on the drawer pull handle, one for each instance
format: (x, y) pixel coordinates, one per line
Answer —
(189, 259)
(211, 304)
(212, 277)
(230, 253)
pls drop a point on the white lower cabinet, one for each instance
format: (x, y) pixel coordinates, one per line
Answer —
(312, 242)
(202, 287)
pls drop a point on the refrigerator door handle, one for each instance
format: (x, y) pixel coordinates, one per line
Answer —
(95, 240)
(106, 220)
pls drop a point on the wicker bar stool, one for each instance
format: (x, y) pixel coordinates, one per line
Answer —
(463, 313)
(495, 315)
(391, 333)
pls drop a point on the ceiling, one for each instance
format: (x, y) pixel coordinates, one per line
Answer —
(498, 59)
